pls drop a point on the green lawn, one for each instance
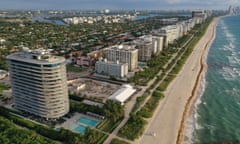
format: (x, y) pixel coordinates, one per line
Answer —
(108, 125)
(72, 68)
(117, 141)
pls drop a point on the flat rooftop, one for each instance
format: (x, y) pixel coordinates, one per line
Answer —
(38, 56)
(126, 47)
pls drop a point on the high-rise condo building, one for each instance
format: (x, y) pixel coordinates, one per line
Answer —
(199, 15)
(157, 43)
(124, 54)
(39, 83)
(171, 32)
(145, 48)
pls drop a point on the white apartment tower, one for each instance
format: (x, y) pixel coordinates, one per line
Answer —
(157, 43)
(39, 83)
(113, 69)
(171, 32)
(124, 54)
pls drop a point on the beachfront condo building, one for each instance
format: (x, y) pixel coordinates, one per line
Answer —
(199, 13)
(144, 46)
(126, 53)
(39, 83)
(112, 69)
(157, 44)
(171, 32)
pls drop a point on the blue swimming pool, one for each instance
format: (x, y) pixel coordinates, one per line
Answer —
(87, 121)
(80, 129)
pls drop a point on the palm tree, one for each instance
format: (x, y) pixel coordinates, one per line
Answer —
(91, 136)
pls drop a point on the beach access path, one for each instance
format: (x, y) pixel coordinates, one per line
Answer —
(164, 126)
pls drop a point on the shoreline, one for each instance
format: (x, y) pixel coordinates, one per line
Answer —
(169, 119)
(197, 92)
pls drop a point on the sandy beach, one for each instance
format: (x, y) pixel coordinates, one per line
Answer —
(169, 119)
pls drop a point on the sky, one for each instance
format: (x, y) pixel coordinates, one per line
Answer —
(116, 4)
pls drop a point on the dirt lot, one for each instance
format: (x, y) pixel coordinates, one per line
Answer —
(95, 89)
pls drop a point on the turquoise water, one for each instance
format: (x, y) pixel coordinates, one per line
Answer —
(83, 122)
(88, 122)
(80, 129)
(218, 114)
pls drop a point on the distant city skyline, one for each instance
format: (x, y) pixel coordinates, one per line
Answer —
(115, 5)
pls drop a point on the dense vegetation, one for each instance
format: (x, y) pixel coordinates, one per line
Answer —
(139, 101)
(4, 87)
(11, 134)
(154, 66)
(66, 136)
(76, 106)
(133, 128)
(117, 141)
(112, 110)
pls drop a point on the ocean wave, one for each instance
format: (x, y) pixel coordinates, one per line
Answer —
(233, 59)
(230, 37)
(232, 45)
(230, 73)
(192, 125)
(189, 130)
(224, 92)
(233, 92)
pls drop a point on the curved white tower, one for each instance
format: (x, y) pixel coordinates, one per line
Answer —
(39, 83)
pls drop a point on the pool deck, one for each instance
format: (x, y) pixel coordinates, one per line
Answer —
(68, 124)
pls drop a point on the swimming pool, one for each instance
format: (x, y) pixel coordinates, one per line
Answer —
(80, 129)
(87, 121)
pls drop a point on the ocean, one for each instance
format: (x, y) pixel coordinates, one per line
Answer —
(217, 114)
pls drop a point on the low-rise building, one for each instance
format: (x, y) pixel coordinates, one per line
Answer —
(84, 61)
(112, 69)
(123, 94)
(3, 74)
(96, 54)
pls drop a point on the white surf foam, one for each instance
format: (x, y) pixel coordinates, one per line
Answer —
(230, 37)
(191, 123)
(229, 73)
